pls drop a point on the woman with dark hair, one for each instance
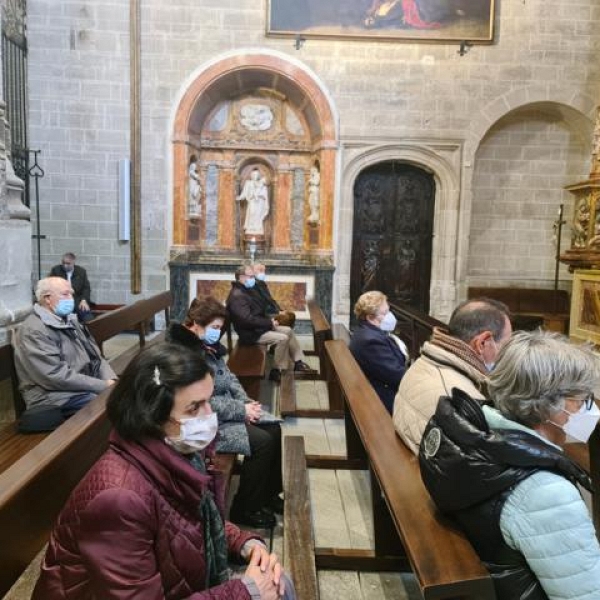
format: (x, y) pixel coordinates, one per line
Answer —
(146, 521)
(244, 428)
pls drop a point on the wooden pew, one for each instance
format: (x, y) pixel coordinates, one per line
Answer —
(414, 328)
(298, 540)
(249, 364)
(408, 529)
(34, 489)
(322, 332)
(531, 308)
(133, 317)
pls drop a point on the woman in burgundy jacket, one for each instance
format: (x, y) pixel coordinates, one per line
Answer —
(146, 521)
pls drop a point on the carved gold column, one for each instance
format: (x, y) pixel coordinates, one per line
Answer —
(584, 252)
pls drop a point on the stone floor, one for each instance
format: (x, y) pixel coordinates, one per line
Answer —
(339, 500)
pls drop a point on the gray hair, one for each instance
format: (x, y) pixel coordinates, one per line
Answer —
(44, 287)
(536, 371)
(241, 270)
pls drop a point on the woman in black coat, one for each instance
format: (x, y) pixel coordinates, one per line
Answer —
(381, 355)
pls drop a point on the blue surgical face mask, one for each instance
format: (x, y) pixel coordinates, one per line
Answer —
(388, 323)
(211, 335)
(250, 283)
(64, 307)
(261, 276)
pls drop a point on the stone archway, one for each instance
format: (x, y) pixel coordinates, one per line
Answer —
(442, 159)
(295, 97)
(578, 110)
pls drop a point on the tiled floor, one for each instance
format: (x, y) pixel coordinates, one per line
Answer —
(339, 499)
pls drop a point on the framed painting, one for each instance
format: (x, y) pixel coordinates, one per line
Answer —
(392, 20)
(585, 307)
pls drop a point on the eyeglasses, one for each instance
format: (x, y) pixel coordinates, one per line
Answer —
(589, 401)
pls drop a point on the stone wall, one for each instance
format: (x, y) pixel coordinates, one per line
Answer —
(522, 165)
(385, 93)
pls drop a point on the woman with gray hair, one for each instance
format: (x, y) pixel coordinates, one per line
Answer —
(500, 471)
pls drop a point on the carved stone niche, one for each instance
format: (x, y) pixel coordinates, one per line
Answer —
(11, 187)
(584, 252)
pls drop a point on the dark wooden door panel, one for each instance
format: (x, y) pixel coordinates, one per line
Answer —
(393, 230)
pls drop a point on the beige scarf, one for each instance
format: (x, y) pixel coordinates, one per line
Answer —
(458, 348)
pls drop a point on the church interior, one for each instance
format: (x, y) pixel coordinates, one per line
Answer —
(433, 150)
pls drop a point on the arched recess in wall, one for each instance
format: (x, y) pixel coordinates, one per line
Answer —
(254, 110)
(442, 159)
(576, 110)
(521, 166)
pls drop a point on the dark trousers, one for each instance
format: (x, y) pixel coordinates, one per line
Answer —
(260, 478)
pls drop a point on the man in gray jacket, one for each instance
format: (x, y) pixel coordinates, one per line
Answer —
(58, 363)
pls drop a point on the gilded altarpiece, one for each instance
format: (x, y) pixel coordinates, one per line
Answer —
(584, 252)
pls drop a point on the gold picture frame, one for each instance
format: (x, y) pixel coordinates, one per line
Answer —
(387, 20)
(585, 307)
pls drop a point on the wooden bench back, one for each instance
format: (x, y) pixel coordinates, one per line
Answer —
(321, 333)
(414, 327)
(298, 540)
(112, 323)
(9, 380)
(131, 317)
(524, 300)
(442, 559)
(35, 488)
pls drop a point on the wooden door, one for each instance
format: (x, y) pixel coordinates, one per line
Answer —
(393, 231)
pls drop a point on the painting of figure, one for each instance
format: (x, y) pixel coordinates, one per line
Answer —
(585, 306)
(433, 20)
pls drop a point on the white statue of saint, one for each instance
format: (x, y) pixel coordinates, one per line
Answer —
(256, 194)
(314, 192)
(194, 189)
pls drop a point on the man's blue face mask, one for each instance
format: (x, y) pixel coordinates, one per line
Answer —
(64, 307)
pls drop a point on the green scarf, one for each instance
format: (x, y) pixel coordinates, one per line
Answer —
(215, 544)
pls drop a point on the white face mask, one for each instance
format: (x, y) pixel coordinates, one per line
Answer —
(388, 323)
(581, 424)
(195, 433)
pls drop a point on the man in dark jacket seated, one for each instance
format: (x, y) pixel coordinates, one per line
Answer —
(77, 277)
(287, 318)
(246, 310)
